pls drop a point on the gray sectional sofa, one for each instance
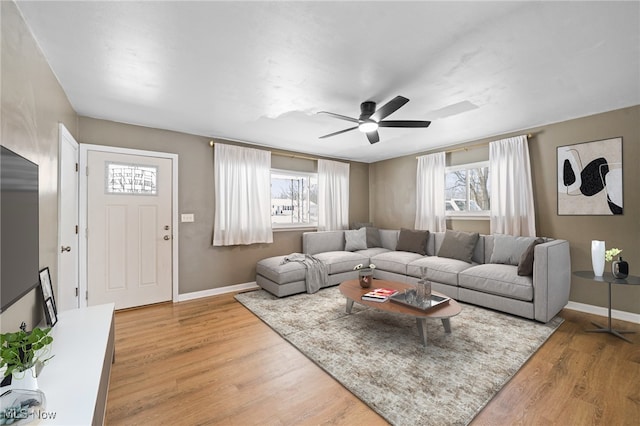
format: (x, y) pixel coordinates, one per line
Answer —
(528, 277)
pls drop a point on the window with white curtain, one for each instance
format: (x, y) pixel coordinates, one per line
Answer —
(333, 195)
(242, 196)
(467, 190)
(430, 211)
(512, 206)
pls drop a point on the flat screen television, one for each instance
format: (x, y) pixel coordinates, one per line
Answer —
(19, 251)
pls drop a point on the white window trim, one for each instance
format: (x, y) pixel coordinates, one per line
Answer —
(280, 227)
(454, 215)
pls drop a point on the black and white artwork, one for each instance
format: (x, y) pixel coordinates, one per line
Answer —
(590, 178)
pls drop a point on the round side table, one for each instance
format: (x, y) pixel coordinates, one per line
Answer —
(608, 278)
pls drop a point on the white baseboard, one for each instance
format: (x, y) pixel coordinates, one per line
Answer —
(599, 310)
(218, 291)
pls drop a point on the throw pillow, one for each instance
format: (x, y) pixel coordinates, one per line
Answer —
(355, 240)
(508, 249)
(525, 266)
(373, 237)
(458, 245)
(413, 241)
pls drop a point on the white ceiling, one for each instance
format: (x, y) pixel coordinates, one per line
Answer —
(258, 72)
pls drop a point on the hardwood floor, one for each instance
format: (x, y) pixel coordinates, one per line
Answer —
(211, 361)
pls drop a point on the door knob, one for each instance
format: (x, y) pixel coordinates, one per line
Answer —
(63, 249)
(166, 237)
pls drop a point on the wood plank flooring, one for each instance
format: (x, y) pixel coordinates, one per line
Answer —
(211, 361)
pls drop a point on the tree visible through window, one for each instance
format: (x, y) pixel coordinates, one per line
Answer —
(467, 189)
(294, 198)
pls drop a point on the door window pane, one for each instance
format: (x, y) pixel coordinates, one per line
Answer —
(131, 179)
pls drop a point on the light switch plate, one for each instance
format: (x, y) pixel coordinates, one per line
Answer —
(187, 217)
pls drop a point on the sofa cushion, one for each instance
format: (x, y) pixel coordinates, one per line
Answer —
(389, 238)
(508, 249)
(355, 239)
(525, 266)
(394, 261)
(322, 241)
(499, 279)
(373, 251)
(341, 261)
(273, 269)
(458, 245)
(413, 241)
(440, 269)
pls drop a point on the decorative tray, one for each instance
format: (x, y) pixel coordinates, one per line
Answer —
(433, 301)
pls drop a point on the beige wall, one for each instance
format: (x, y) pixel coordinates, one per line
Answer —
(32, 105)
(202, 266)
(392, 198)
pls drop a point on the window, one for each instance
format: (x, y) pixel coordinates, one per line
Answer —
(466, 190)
(294, 199)
(131, 179)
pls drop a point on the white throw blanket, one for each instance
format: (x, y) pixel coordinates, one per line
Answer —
(316, 275)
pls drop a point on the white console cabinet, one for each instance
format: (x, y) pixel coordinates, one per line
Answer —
(76, 380)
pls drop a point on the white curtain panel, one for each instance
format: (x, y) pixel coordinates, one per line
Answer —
(430, 208)
(333, 195)
(242, 195)
(512, 208)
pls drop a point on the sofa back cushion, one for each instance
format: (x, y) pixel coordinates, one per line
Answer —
(508, 249)
(389, 238)
(489, 244)
(322, 241)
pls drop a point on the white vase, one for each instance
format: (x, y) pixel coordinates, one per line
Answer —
(24, 380)
(597, 257)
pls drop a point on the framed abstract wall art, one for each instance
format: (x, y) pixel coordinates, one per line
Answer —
(590, 178)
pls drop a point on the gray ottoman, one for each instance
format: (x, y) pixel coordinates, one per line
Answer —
(281, 279)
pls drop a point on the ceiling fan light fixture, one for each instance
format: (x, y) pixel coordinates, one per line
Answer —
(368, 126)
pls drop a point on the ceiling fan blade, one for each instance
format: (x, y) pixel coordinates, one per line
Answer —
(389, 108)
(404, 123)
(337, 133)
(373, 137)
(341, 117)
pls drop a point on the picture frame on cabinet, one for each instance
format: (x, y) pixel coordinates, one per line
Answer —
(47, 289)
(50, 312)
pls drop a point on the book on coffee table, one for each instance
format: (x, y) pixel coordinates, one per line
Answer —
(379, 294)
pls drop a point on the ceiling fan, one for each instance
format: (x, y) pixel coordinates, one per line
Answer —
(371, 119)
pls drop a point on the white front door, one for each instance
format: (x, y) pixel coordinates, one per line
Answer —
(129, 229)
(68, 247)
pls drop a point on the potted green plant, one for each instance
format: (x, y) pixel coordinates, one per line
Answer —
(22, 351)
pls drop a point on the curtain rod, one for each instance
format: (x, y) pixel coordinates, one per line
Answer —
(478, 145)
(280, 153)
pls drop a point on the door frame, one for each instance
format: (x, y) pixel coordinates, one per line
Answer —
(83, 208)
(65, 137)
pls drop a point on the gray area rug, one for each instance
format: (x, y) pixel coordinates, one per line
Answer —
(379, 358)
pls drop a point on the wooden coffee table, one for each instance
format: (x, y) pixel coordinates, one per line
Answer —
(353, 292)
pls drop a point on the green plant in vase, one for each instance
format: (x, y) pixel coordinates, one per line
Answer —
(20, 351)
